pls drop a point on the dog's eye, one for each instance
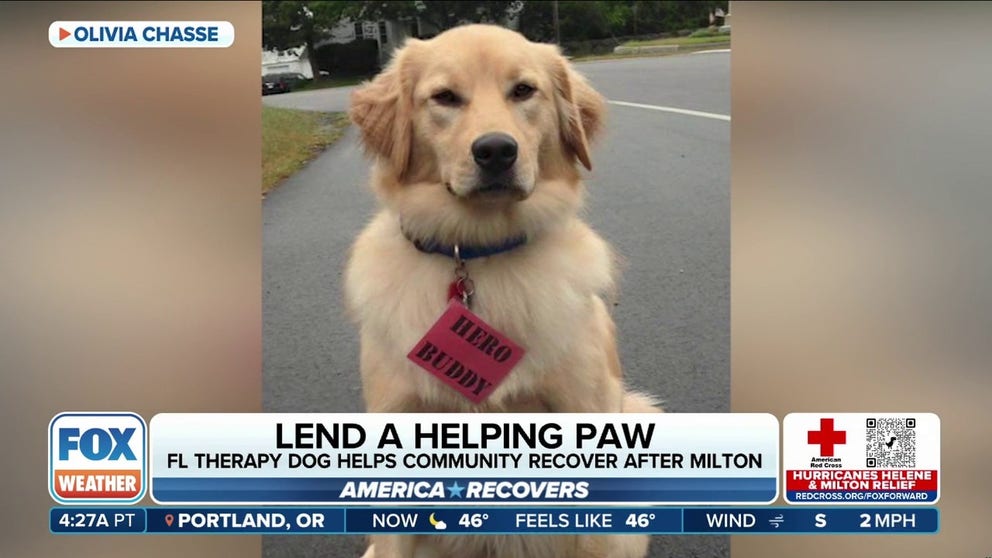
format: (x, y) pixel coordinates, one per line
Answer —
(523, 91)
(447, 98)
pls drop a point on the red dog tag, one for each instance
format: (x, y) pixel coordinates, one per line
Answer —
(466, 353)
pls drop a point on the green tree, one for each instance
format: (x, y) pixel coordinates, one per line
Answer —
(669, 16)
(288, 24)
(619, 16)
(586, 20)
(441, 14)
(578, 20)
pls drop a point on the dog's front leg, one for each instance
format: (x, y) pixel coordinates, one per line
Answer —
(591, 379)
(386, 387)
(594, 393)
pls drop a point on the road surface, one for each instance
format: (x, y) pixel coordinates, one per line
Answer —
(659, 192)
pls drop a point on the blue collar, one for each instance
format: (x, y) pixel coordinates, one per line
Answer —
(469, 252)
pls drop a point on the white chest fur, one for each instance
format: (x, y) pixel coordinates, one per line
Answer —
(539, 295)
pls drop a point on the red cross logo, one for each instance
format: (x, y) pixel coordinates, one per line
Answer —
(826, 437)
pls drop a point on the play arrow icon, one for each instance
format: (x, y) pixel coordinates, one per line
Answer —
(63, 34)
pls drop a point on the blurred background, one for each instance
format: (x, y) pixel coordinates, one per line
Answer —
(862, 245)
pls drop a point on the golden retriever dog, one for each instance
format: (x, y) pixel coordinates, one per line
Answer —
(477, 135)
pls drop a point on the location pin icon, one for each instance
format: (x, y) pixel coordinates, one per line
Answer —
(169, 519)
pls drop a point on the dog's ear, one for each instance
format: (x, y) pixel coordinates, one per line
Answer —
(581, 110)
(381, 109)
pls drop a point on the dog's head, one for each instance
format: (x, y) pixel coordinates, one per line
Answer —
(477, 134)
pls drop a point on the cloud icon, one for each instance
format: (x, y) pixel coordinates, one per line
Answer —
(438, 525)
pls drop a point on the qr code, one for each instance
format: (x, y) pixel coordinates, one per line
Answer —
(890, 443)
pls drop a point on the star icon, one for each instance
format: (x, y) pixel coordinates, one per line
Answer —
(455, 491)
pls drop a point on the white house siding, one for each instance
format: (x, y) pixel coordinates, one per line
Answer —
(291, 61)
(396, 33)
(389, 35)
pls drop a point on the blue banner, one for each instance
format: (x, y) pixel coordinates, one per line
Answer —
(494, 520)
(515, 520)
(463, 490)
(292, 521)
(795, 520)
(117, 520)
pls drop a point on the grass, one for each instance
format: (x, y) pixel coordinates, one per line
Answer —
(325, 83)
(290, 138)
(594, 57)
(682, 41)
(700, 39)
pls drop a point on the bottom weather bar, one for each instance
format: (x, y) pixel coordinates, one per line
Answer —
(442, 520)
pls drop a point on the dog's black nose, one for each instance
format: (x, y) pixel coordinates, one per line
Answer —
(494, 152)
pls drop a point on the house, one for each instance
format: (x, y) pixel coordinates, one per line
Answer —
(388, 34)
(293, 61)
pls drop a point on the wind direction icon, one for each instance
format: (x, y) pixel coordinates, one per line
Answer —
(777, 520)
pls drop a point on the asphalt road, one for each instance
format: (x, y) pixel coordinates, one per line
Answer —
(660, 193)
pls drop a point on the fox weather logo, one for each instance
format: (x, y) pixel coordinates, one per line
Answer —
(96, 458)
